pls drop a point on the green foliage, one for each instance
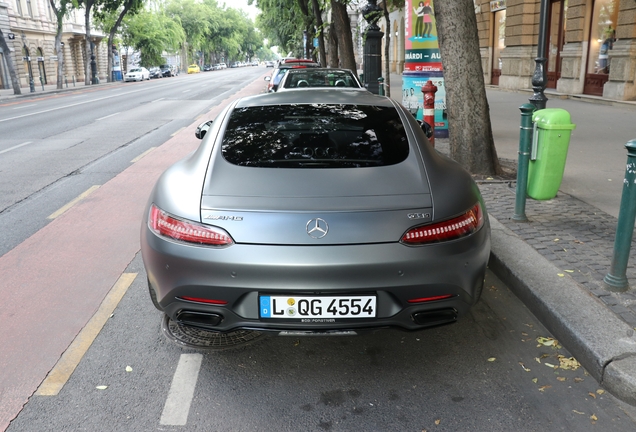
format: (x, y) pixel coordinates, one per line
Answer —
(151, 34)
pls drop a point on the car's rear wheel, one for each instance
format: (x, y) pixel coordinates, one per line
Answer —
(192, 337)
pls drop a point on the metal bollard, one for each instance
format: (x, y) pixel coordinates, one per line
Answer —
(616, 279)
(381, 86)
(73, 80)
(42, 82)
(66, 81)
(523, 161)
(428, 114)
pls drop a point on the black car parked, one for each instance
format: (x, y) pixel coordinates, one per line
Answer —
(166, 70)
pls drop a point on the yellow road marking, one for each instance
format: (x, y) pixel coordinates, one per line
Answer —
(177, 131)
(138, 158)
(73, 202)
(64, 368)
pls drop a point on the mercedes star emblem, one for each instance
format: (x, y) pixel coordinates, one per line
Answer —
(317, 228)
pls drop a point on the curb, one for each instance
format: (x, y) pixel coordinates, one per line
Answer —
(596, 337)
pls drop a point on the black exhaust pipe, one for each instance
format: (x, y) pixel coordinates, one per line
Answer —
(199, 319)
(435, 317)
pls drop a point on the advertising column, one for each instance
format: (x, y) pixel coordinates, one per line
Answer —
(423, 62)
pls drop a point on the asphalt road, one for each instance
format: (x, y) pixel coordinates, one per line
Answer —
(488, 372)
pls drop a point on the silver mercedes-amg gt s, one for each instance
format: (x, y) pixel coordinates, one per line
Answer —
(315, 211)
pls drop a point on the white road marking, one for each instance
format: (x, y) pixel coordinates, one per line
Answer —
(177, 407)
(24, 106)
(15, 147)
(102, 118)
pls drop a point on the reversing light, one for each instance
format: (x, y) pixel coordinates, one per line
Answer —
(203, 300)
(430, 299)
(163, 224)
(451, 229)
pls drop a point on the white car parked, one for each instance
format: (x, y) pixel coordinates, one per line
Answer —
(137, 74)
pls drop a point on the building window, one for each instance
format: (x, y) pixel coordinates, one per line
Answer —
(29, 9)
(602, 35)
(18, 6)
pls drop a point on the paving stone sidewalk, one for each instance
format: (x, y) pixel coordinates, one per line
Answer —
(576, 237)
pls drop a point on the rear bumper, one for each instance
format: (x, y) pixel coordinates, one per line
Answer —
(393, 272)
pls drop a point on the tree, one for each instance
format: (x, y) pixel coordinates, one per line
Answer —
(470, 131)
(88, 6)
(60, 11)
(110, 17)
(12, 73)
(152, 33)
(342, 25)
(321, 34)
(386, 5)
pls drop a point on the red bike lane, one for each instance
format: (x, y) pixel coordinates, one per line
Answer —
(55, 281)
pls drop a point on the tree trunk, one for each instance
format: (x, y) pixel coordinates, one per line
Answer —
(87, 23)
(332, 40)
(12, 73)
(321, 33)
(470, 131)
(342, 24)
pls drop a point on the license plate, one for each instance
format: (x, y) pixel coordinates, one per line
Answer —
(299, 307)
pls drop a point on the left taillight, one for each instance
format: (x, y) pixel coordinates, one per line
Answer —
(452, 229)
(165, 225)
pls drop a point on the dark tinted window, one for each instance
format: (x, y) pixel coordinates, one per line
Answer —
(315, 136)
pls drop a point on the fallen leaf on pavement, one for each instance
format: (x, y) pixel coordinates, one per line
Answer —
(550, 365)
(578, 380)
(560, 275)
(561, 379)
(101, 387)
(569, 271)
(556, 240)
(128, 369)
(568, 363)
(548, 341)
(593, 417)
(600, 391)
(438, 421)
(492, 359)
(524, 367)
(535, 380)
(592, 394)
(578, 412)
(542, 388)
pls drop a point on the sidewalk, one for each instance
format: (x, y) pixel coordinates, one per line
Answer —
(7, 94)
(555, 263)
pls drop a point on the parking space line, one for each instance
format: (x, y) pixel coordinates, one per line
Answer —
(177, 407)
(138, 158)
(177, 131)
(62, 371)
(73, 202)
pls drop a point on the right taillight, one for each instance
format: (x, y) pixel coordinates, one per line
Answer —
(458, 227)
(166, 225)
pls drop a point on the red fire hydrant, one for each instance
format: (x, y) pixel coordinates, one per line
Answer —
(429, 107)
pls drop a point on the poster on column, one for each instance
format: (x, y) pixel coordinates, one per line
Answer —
(423, 62)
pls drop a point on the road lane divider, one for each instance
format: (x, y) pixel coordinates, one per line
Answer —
(64, 368)
(16, 147)
(62, 210)
(177, 407)
(140, 157)
(103, 118)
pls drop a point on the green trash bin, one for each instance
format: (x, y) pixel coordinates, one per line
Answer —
(551, 138)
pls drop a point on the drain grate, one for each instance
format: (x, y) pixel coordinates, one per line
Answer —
(192, 337)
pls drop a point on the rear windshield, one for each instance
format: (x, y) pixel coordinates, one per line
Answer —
(315, 136)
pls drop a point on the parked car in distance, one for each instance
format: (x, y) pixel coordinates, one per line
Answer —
(217, 66)
(155, 72)
(277, 74)
(223, 65)
(367, 225)
(138, 73)
(269, 63)
(295, 79)
(207, 68)
(166, 70)
(235, 65)
(193, 68)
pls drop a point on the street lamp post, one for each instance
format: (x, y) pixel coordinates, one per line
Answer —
(538, 99)
(95, 80)
(372, 68)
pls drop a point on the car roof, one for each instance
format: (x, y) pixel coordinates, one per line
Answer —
(316, 96)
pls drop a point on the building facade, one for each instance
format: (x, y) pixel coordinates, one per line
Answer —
(590, 45)
(29, 28)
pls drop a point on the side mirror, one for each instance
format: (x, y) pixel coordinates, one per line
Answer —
(202, 129)
(268, 78)
(428, 130)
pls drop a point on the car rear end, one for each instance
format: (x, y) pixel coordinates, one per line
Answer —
(315, 218)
